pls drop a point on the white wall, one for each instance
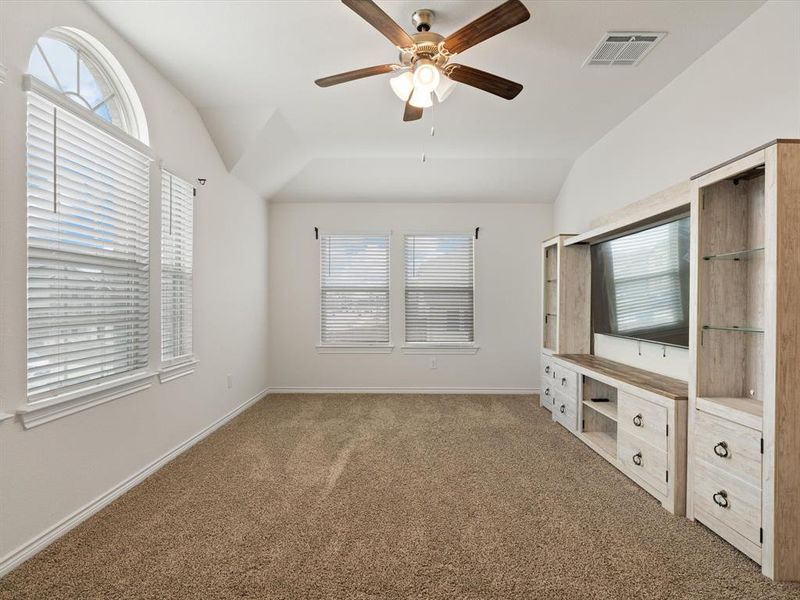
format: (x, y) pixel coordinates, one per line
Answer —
(53, 470)
(506, 297)
(743, 92)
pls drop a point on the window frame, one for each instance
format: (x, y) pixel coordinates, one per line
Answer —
(357, 347)
(443, 348)
(43, 408)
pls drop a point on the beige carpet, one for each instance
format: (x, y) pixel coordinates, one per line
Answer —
(390, 497)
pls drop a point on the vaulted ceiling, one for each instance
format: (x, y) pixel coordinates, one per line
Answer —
(249, 67)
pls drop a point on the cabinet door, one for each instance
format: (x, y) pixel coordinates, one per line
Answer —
(643, 419)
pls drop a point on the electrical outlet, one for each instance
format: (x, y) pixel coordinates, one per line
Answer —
(230, 381)
(433, 363)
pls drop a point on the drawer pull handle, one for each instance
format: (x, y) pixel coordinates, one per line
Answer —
(637, 459)
(546, 391)
(637, 420)
(547, 369)
(563, 409)
(721, 450)
(563, 381)
(721, 499)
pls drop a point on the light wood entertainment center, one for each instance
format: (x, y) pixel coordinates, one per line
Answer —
(722, 447)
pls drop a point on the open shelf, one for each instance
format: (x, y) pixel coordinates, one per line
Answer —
(740, 255)
(607, 409)
(603, 441)
(739, 328)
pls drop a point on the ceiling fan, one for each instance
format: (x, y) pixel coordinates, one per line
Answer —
(424, 67)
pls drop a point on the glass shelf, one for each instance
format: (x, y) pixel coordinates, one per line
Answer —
(740, 328)
(740, 255)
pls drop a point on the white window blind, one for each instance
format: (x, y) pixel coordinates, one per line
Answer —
(647, 282)
(177, 203)
(439, 288)
(354, 301)
(88, 279)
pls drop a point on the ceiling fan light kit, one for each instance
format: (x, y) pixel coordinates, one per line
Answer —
(424, 67)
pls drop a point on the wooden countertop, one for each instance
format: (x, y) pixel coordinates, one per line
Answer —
(647, 380)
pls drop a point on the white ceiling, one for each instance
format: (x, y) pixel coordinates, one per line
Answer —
(249, 67)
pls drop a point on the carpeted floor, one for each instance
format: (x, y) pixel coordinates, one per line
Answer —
(466, 497)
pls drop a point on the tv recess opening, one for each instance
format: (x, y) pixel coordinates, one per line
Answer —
(640, 285)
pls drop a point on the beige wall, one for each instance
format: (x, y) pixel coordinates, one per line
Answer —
(506, 297)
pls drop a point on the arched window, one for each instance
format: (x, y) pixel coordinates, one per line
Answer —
(75, 65)
(88, 176)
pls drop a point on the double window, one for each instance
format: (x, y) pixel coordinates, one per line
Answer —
(439, 290)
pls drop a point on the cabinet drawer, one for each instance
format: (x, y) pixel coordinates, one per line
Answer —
(546, 393)
(643, 419)
(731, 447)
(565, 381)
(547, 367)
(730, 500)
(565, 411)
(643, 461)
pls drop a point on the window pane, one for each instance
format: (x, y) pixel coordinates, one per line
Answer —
(88, 281)
(64, 61)
(354, 297)
(38, 68)
(177, 239)
(439, 304)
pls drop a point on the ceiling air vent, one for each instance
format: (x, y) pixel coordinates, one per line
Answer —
(623, 48)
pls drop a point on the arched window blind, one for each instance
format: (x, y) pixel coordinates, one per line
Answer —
(88, 279)
(354, 297)
(439, 288)
(177, 197)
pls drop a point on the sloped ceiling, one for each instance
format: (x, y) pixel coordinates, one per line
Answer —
(249, 67)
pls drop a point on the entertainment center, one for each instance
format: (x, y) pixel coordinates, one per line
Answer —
(722, 446)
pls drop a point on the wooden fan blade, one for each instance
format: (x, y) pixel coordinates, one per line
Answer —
(507, 15)
(353, 75)
(411, 113)
(372, 14)
(494, 84)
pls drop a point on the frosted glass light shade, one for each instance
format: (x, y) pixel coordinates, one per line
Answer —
(421, 99)
(445, 88)
(402, 85)
(426, 75)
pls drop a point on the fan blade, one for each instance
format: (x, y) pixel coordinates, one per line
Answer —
(507, 15)
(353, 75)
(372, 14)
(412, 113)
(494, 84)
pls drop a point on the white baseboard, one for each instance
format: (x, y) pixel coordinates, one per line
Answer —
(400, 390)
(27, 550)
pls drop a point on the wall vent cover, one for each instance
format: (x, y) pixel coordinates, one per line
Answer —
(623, 48)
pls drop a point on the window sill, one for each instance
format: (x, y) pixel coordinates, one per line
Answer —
(439, 349)
(49, 409)
(170, 372)
(355, 349)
